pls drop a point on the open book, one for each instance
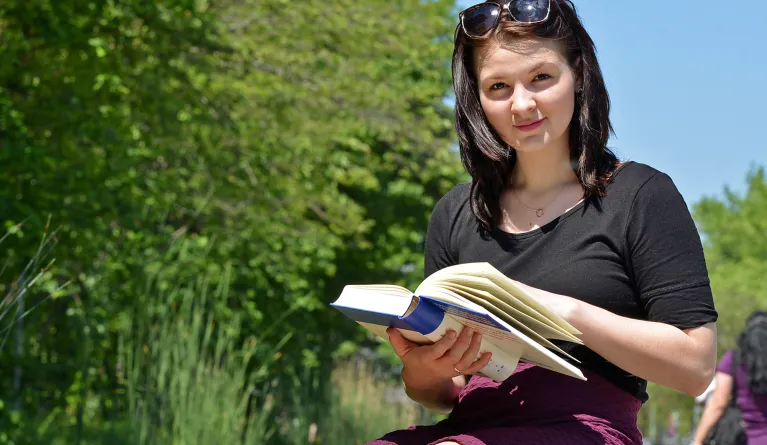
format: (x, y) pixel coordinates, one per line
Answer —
(514, 325)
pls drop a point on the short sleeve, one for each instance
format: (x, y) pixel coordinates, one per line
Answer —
(666, 257)
(437, 251)
(725, 364)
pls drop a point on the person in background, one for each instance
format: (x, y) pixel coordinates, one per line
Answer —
(751, 384)
(700, 403)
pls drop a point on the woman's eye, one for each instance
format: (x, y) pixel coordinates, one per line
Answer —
(542, 76)
(497, 86)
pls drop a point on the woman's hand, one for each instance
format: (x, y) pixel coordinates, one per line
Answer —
(432, 365)
(561, 305)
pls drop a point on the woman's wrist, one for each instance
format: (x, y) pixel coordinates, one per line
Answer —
(570, 309)
(415, 379)
(434, 394)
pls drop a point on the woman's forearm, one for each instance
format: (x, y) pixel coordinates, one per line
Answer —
(682, 360)
(441, 396)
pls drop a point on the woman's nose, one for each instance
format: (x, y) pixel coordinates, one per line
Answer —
(522, 102)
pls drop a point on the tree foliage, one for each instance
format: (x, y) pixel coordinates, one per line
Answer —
(300, 146)
(735, 236)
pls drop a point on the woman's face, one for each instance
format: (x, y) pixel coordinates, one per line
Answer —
(527, 90)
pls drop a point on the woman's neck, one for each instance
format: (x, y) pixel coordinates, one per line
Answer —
(541, 171)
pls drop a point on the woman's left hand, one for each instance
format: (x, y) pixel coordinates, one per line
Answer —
(561, 305)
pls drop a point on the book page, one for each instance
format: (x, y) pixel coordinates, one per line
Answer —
(480, 282)
(486, 270)
(489, 291)
(448, 296)
(539, 355)
(507, 318)
(389, 289)
(390, 300)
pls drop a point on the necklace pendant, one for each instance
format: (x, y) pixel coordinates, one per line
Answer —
(539, 213)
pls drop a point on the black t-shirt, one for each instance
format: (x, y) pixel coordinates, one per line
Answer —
(635, 252)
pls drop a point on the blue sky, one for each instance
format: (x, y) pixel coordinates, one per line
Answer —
(688, 84)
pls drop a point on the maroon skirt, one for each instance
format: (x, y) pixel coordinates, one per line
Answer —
(533, 406)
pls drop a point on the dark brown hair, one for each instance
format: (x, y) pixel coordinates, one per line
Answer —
(752, 347)
(486, 156)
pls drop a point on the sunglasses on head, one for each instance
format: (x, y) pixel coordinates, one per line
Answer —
(478, 20)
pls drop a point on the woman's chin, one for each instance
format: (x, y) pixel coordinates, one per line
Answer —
(532, 144)
(538, 142)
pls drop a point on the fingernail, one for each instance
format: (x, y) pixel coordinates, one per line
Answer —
(451, 334)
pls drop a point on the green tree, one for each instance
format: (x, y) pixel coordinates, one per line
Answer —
(735, 235)
(302, 147)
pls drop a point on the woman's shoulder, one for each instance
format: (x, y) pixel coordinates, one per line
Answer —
(454, 200)
(634, 175)
(459, 192)
(452, 212)
(632, 179)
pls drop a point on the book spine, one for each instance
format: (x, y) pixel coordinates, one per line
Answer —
(425, 319)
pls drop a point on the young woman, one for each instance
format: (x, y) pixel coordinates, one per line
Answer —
(750, 389)
(609, 246)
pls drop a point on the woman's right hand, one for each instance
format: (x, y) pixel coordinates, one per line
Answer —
(430, 366)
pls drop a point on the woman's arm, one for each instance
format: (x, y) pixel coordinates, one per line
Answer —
(665, 261)
(715, 407)
(682, 360)
(661, 353)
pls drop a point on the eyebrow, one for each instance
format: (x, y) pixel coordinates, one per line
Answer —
(538, 66)
(535, 67)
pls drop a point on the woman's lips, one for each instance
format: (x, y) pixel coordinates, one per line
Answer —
(530, 126)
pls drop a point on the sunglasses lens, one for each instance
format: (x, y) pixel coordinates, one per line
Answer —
(481, 19)
(529, 11)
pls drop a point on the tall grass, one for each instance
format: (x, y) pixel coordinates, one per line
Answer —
(189, 378)
(364, 407)
(186, 375)
(14, 304)
(21, 291)
(188, 381)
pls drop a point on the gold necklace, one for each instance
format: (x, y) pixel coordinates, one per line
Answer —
(538, 212)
